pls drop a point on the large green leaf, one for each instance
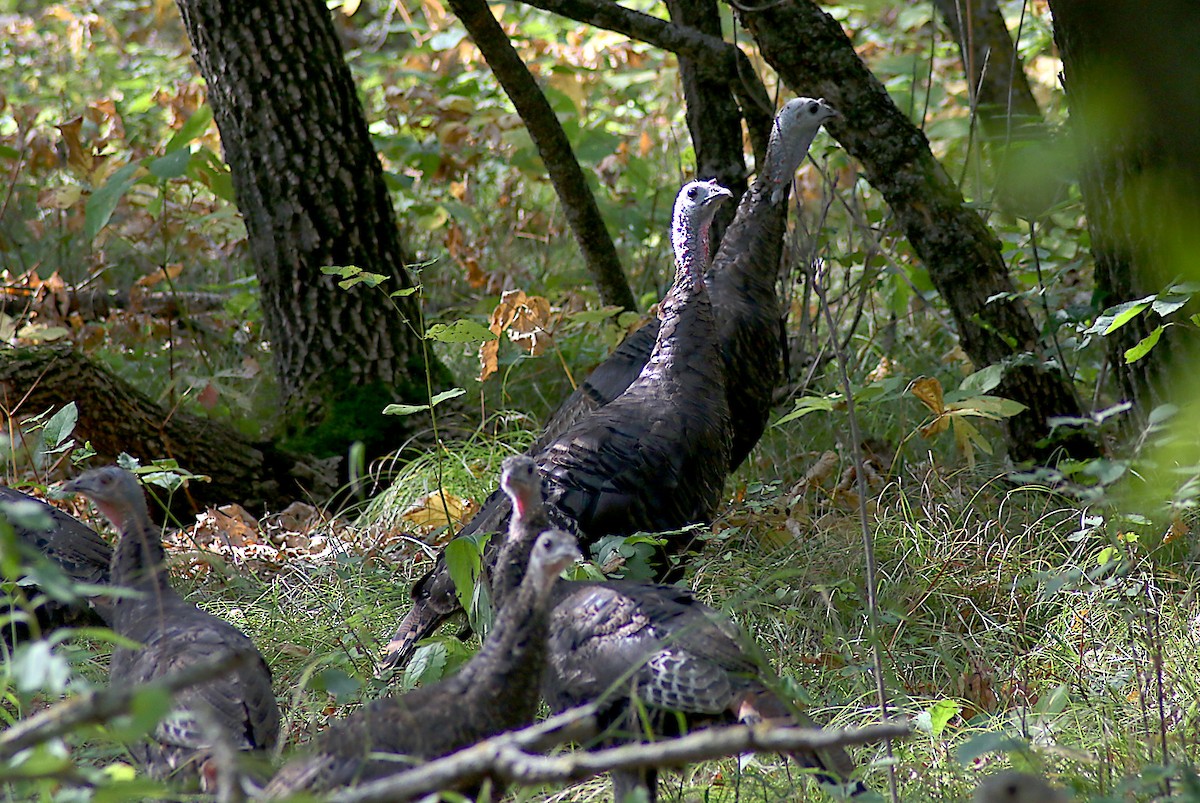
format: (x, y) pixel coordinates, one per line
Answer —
(461, 331)
(103, 202)
(1143, 346)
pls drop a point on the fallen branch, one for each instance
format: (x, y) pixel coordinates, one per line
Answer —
(508, 757)
(93, 707)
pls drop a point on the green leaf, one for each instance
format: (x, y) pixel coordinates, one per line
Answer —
(103, 202)
(407, 291)
(173, 165)
(428, 665)
(809, 404)
(1143, 347)
(934, 719)
(594, 315)
(1114, 318)
(452, 393)
(196, 125)
(8, 152)
(60, 426)
(335, 682)
(460, 331)
(1166, 303)
(983, 380)
(345, 271)
(404, 409)
(36, 667)
(463, 559)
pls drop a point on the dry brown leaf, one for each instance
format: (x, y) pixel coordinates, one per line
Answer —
(929, 391)
(78, 158)
(525, 318)
(820, 470)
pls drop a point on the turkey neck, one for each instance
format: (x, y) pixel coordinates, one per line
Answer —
(685, 338)
(139, 560)
(510, 658)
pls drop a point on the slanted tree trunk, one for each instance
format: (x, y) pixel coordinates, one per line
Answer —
(310, 188)
(813, 56)
(553, 146)
(998, 84)
(1131, 79)
(115, 417)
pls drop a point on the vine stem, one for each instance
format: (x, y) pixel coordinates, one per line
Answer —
(868, 540)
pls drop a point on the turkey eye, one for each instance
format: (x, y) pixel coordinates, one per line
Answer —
(812, 107)
(692, 193)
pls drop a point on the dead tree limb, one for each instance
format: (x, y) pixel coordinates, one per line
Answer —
(813, 56)
(565, 173)
(116, 417)
(507, 757)
(97, 706)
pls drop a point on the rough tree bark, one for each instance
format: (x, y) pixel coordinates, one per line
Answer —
(311, 191)
(813, 56)
(115, 417)
(1131, 76)
(555, 149)
(713, 118)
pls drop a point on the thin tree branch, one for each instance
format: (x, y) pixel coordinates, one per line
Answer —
(709, 52)
(93, 707)
(565, 173)
(504, 757)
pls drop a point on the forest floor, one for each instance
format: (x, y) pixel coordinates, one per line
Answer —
(1015, 629)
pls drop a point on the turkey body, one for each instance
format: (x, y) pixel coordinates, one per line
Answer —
(496, 691)
(654, 459)
(78, 550)
(239, 705)
(615, 642)
(741, 283)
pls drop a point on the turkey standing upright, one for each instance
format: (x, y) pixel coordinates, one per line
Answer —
(653, 459)
(741, 283)
(77, 549)
(175, 634)
(613, 641)
(496, 691)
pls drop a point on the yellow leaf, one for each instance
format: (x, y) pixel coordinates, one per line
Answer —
(78, 159)
(645, 144)
(170, 272)
(60, 197)
(929, 391)
(439, 509)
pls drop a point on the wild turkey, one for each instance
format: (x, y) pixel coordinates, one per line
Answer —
(176, 634)
(496, 691)
(741, 283)
(1011, 786)
(654, 459)
(77, 549)
(615, 640)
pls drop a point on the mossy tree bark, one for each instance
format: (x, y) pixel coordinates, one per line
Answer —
(1131, 76)
(311, 191)
(813, 56)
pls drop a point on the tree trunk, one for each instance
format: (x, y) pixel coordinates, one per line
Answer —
(115, 417)
(999, 88)
(1131, 79)
(576, 197)
(713, 118)
(814, 57)
(311, 191)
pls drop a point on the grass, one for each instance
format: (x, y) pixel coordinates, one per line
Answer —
(985, 602)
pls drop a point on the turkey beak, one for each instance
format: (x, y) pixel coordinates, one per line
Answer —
(77, 485)
(719, 195)
(833, 114)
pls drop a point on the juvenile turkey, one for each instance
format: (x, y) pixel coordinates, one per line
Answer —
(653, 459)
(175, 634)
(614, 640)
(496, 691)
(741, 283)
(77, 549)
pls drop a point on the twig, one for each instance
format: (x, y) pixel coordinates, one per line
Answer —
(504, 757)
(100, 706)
(867, 539)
